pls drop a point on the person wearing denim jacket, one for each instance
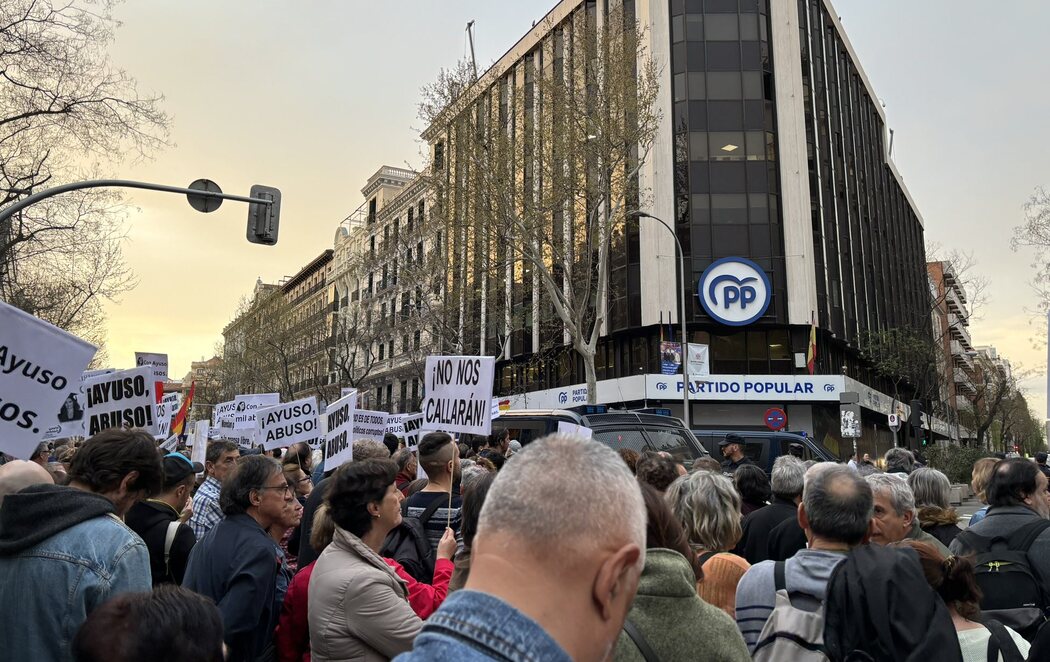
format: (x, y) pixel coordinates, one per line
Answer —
(555, 564)
(65, 550)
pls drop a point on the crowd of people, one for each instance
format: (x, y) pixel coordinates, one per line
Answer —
(561, 550)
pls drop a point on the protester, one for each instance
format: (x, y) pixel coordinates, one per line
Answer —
(474, 495)
(301, 455)
(17, 474)
(732, 448)
(170, 623)
(41, 455)
(708, 507)
(899, 460)
(932, 495)
(498, 441)
(513, 448)
(707, 463)
(979, 477)
(953, 579)
(895, 514)
(752, 484)
(786, 538)
(835, 511)
(238, 564)
(281, 531)
(547, 582)
(786, 486)
(1040, 461)
(1018, 508)
(65, 550)
(656, 470)
(358, 606)
(440, 459)
(292, 636)
(406, 468)
(391, 442)
(301, 483)
(852, 464)
(160, 521)
(364, 449)
(667, 614)
(219, 460)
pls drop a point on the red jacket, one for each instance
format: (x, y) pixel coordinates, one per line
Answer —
(425, 598)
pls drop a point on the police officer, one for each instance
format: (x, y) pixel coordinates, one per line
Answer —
(733, 451)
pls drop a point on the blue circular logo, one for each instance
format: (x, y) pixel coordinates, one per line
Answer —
(734, 291)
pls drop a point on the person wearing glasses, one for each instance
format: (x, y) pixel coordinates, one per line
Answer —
(238, 565)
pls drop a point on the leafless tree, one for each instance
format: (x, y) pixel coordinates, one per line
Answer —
(1035, 233)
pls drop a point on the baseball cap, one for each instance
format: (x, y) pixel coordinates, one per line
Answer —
(177, 467)
(731, 439)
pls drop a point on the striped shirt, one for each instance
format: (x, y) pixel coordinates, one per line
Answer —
(206, 510)
(435, 526)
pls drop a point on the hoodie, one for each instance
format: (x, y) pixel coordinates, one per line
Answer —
(35, 513)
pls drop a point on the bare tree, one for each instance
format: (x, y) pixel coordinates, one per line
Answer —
(994, 389)
(1035, 233)
(62, 100)
(535, 180)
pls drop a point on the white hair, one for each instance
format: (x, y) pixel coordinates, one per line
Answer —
(568, 494)
(788, 477)
(896, 488)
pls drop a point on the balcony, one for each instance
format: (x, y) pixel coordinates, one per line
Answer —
(963, 383)
(957, 327)
(960, 356)
(955, 301)
(962, 403)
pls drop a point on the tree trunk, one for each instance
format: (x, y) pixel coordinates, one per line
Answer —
(587, 354)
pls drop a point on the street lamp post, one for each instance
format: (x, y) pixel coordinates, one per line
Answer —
(681, 302)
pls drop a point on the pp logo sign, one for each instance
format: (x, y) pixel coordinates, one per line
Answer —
(734, 291)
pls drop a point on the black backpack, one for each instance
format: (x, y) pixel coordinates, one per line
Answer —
(408, 544)
(1012, 590)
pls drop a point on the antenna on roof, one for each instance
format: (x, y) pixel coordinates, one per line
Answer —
(470, 35)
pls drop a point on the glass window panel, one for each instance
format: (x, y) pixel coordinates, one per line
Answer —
(726, 146)
(697, 115)
(698, 177)
(700, 236)
(779, 345)
(721, 27)
(698, 146)
(730, 240)
(749, 5)
(720, 6)
(697, 88)
(723, 85)
(678, 28)
(756, 345)
(694, 27)
(680, 93)
(728, 177)
(749, 27)
(727, 209)
(755, 145)
(754, 114)
(750, 56)
(760, 244)
(723, 56)
(678, 58)
(752, 87)
(771, 149)
(700, 202)
(695, 56)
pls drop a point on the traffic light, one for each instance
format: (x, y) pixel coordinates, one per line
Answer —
(264, 220)
(915, 418)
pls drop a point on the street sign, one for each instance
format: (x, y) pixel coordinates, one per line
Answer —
(894, 422)
(202, 203)
(776, 419)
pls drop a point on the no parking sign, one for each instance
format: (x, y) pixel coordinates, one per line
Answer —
(776, 419)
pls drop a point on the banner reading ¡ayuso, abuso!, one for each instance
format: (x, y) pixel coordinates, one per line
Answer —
(287, 424)
(122, 399)
(40, 367)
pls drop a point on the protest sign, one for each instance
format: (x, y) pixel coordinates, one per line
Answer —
(395, 424)
(158, 362)
(369, 424)
(246, 407)
(199, 440)
(287, 424)
(459, 394)
(166, 408)
(40, 368)
(223, 413)
(71, 413)
(339, 445)
(343, 392)
(170, 444)
(564, 427)
(410, 426)
(122, 399)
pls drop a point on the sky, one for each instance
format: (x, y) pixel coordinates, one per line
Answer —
(314, 97)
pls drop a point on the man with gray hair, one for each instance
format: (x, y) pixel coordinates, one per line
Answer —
(895, 518)
(555, 564)
(787, 482)
(899, 461)
(835, 511)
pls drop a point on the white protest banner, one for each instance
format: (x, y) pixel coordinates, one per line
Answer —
(369, 424)
(338, 445)
(564, 427)
(170, 444)
(247, 406)
(71, 414)
(343, 392)
(40, 368)
(122, 399)
(699, 360)
(395, 424)
(166, 408)
(495, 411)
(410, 427)
(287, 424)
(459, 394)
(159, 363)
(200, 442)
(223, 412)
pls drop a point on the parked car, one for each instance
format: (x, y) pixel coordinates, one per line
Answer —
(764, 447)
(615, 429)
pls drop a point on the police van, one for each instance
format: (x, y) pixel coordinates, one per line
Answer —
(764, 447)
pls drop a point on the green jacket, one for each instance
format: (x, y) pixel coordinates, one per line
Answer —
(674, 620)
(918, 534)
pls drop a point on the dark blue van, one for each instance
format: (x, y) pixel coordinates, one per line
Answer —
(764, 447)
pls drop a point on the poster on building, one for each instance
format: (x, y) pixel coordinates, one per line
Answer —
(286, 424)
(670, 357)
(246, 406)
(339, 442)
(158, 362)
(122, 399)
(40, 367)
(699, 360)
(369, 424)
(459, 394)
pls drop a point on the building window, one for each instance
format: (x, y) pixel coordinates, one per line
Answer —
(439, 156)
(382, 351)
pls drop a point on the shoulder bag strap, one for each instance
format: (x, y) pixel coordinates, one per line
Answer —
(169, 539)
(643, 646)
(701, 559)
(778, 576)
(1021, 539)
(1000, 641)
(425, 516)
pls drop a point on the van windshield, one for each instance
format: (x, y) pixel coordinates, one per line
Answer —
(659, 439)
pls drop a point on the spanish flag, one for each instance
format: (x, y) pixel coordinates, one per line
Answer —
(180, 418)
(811, 355)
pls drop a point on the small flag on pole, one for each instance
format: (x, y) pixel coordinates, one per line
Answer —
(811, 355)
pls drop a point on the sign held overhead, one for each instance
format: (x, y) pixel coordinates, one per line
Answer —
(338, 444)
(122, 399)
(287, 424)
(459, 394)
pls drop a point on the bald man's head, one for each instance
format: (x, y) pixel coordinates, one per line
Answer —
(18, 474)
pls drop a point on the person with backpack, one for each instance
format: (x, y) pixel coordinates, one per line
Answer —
(779, 603)
(432, 506)
(160, 520)
(1012, 547)
(953, 579)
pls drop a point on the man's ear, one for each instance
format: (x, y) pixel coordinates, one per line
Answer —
(125, 483)
(909, 517)
(803, 519)
(255, 497)
(616, 577)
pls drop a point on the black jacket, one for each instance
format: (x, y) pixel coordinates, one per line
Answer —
(785, 540)
(150, 519)
(757, 527)
(237, 565)
(307, 554)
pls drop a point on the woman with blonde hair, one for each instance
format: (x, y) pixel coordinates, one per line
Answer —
(982, 473)
(708, 507)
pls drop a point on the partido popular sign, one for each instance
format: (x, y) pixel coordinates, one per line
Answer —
(459, 394)
(287, 424)
(40, 367)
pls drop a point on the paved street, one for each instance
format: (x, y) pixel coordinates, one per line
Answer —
(968, 508)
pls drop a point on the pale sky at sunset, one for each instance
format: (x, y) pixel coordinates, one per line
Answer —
(312, 97)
